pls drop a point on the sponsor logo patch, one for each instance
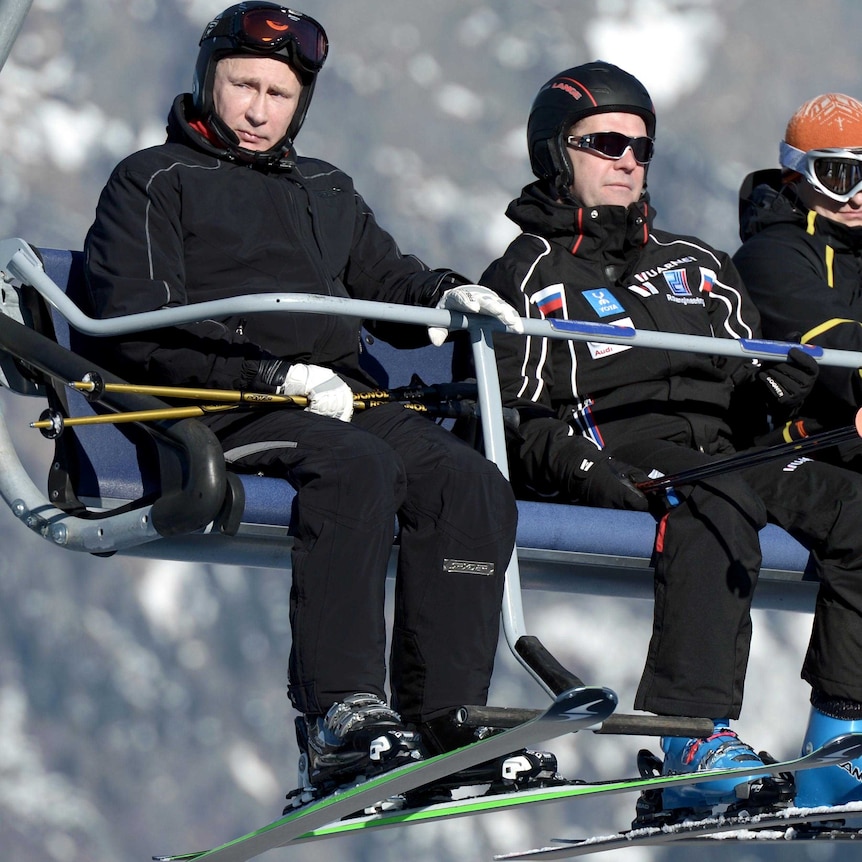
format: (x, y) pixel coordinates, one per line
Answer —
(677, 281)
(604, 303)
(600, 351)
(468, 567)
(657, 270)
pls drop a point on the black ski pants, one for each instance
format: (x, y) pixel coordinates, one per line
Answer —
(457, 517)
(707, 560)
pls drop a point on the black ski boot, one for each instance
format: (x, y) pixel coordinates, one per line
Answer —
(358, 738)
(516, 771)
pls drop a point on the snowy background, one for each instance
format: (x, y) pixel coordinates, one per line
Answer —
(142, 704)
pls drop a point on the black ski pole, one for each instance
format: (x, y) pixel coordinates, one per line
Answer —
(753, 458)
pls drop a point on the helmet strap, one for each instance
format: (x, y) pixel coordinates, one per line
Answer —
(218, 133)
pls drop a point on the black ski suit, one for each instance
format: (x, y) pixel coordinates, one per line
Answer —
(668, 410)
(183, 223)
(804, 274)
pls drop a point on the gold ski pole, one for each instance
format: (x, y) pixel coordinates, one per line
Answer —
(51, 424)
(228, 395)
(93, 386)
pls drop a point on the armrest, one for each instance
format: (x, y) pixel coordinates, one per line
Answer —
(197, 496)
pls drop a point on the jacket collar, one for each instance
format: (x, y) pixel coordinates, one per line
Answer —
(612, 236)
(183, 128)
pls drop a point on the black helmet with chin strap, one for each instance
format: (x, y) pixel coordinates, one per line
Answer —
(594, 88)
(259, 29)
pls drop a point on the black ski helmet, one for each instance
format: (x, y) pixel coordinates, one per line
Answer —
(594, 88)
(258, 28)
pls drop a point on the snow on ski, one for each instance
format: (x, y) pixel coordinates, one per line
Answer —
(826, 823)
(779, 825)
(839, 750)
(571, 711)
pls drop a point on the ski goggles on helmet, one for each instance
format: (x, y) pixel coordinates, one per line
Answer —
(614, 145)
(270, 29)
(834, 172)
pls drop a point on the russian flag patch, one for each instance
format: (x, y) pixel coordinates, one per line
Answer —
(548, 299)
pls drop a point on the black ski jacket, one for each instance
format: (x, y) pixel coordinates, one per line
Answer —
(607, 264)
(184, 222)
(804, 273)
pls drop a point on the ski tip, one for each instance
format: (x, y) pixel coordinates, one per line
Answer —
(585, 702)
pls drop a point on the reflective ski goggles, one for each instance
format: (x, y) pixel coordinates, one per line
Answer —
(834, 172)
(614, 145)
(268, 30)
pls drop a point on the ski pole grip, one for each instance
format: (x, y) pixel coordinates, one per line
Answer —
(545, 666)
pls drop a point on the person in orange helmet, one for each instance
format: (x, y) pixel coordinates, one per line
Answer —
(801, 257)
(801, 260)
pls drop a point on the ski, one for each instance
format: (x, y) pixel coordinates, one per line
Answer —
(782, 825)
(827, 823)
(571, 711)
(844, 748)
(837, 751)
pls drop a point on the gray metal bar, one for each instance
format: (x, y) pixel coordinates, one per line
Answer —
(19, 260)
(12, 15)
(493, 433)
(31, 507)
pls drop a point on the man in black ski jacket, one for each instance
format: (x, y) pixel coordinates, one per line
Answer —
(801, 255)
(594, 418)
(226, 207)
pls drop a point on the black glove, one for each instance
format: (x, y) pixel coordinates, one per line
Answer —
(270, 375)
(790, 383)
(610, 483)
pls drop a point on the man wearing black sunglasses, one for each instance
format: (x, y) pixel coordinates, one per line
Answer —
(596, 417)
(226, 207)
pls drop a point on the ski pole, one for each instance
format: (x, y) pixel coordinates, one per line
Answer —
(93, 386)
(52, 423)
(93, 390)
(752, 459)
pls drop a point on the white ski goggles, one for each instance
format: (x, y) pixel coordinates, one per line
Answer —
(834, 172)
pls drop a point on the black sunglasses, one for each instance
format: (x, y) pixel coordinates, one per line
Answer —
(614, 145)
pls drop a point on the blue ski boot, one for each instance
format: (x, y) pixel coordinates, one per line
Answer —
(723, 749)
(358, 738)
(829, 785)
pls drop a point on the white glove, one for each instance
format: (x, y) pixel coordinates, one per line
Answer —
(479, 300)
(327, 393)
